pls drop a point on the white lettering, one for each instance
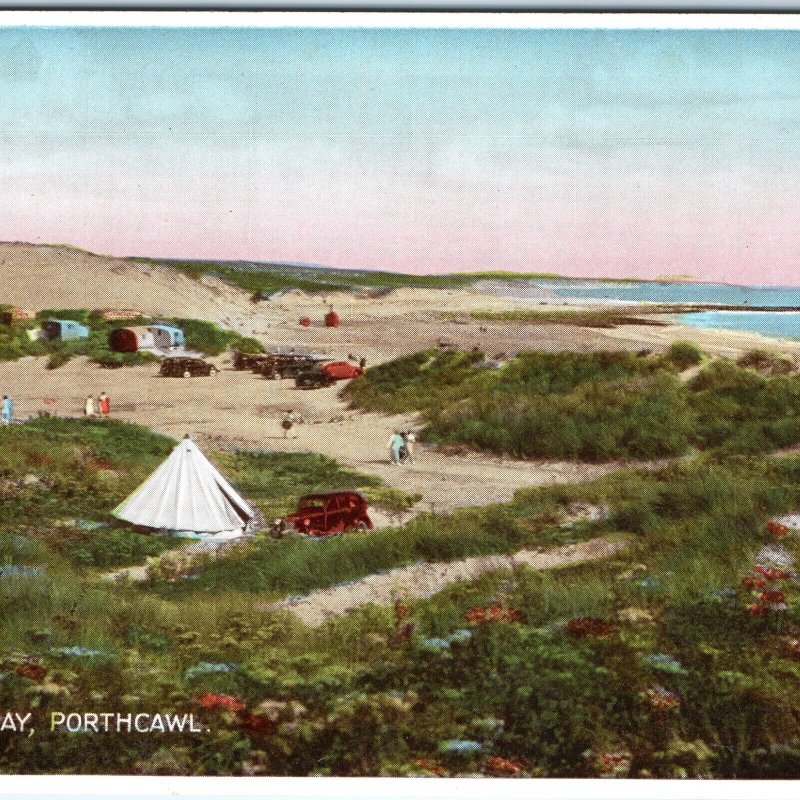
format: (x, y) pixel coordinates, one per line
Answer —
(74, 722)
(192, 728)
(90, 722)
(56, 719)
(23, 721)
(157, 724)
(123, 720)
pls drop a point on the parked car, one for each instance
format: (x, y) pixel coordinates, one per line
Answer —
(327, 374)
(288, 365)
(313, 378)
(186, 367)
(251, 361)
(325, 514)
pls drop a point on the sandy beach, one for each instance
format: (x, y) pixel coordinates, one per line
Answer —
(239, 409)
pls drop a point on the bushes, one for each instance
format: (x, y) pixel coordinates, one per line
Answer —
(595, 407)
(684, 355)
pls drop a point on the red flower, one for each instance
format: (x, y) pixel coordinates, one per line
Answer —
(34, 672)
(502, 766)
(777, 529)
(431, 766)
(772, 598)
(258, 723)
(496, 612)
(771, 573)
(756, 610)
(224, 702)
(752, 583)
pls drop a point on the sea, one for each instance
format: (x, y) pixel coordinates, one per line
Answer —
(776, 324)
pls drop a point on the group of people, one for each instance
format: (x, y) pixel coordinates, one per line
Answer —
(401, 447)
(102, 408)
(7, 412)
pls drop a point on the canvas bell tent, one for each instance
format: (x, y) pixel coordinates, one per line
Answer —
(186, 493)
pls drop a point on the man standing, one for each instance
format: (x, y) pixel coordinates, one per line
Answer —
(7, 410)
(88, 408)
(395, 446)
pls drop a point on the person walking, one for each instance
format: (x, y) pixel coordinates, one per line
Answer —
(7, 410)
(104, 404)
(395, 446)
(88, 408)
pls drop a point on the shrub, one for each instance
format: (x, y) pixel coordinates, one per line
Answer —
(684, 354)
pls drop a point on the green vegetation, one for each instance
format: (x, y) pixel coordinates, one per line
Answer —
(205, 337)
(267, 278)
(596, 406)
(658, 663)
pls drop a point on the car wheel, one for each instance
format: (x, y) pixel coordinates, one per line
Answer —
(187, 373)
(276, 376)
(213, 371)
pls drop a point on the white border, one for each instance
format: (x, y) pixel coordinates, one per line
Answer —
(396, 19)
(155, 788)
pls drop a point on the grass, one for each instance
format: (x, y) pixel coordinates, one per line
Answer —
(267, 278)
(205, 337)
(598, 407)
(364, 694)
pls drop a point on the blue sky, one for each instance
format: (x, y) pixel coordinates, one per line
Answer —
(585, 152)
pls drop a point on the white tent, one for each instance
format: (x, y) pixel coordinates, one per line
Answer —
(186, 493)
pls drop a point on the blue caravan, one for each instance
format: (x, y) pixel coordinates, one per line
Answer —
(65, 329)
(167, 336)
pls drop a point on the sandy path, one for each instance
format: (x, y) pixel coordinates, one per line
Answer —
(421, 581)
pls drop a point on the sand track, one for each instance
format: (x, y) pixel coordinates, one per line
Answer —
(421, 581)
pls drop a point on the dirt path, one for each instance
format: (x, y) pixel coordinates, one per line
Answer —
(421, 581)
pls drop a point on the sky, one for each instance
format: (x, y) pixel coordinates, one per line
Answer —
(621, 153)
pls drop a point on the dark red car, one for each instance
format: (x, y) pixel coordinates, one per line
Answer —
(326, 513)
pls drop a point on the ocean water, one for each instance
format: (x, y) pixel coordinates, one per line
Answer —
(634, 292)
(776, 324)
(780, 325)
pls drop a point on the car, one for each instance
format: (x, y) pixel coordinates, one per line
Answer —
(288, 365)
(326, 514)
(186, 367)
(313, 378)
(252, 361)
(327, 374)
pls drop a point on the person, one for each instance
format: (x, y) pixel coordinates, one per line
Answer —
(7, 410)
(104, 404)
(88, 409)
(288, 423)
(363, 362)
(409, 439)
(395, 447)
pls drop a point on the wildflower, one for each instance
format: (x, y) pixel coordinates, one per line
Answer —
(772, 597)
(431, 766)
(663, 662)
(224, 702)
(771, 573)
(481, 615)
(753, 584)
(31, 670)
(793, 649)
(206, 668)
(778, 529)
(460, 747)
(756, 610)
(660, 699)
(502, 766)
(589, 626)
